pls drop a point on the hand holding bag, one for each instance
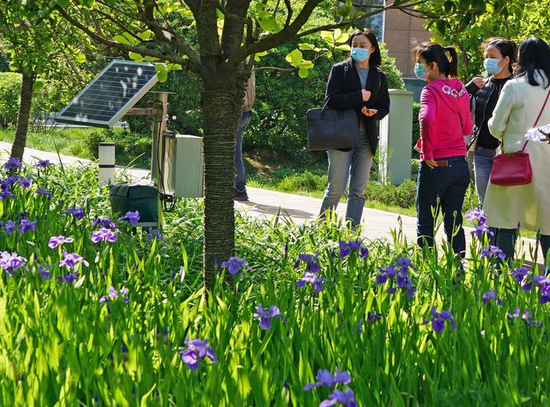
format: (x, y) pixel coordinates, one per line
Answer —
(332, 129)
(510, 169)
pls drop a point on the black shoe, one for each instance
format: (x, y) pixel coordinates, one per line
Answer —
(240, 195)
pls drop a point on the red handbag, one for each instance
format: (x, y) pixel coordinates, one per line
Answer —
(511, 169)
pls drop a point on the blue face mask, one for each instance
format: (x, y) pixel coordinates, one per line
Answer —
(359, 54)
(491, 66)
(419, 71)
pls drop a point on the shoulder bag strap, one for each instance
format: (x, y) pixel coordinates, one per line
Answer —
(538, 117)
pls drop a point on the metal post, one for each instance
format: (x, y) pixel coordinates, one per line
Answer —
(160, 106)
(106, 163)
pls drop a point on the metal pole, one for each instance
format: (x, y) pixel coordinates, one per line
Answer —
(160, 106)
(106, 163)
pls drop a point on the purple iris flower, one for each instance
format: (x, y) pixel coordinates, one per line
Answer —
(525, 316)
(265, 316)
(56, 241)
(104, 222)
(44, 192)
(310, 260)
(10, 227)
(6, 194)
(520, 273)
(313, 279)
(114, 294)
(490, 295)
(131, 217)
(477, 214)
(346, 248)
(197, 349)
(400, 273)
(493, 251)
(325, 378)
(27, 225)
(71, 260)
(43, 164)
(13, 163)
(438, 320)
(104, 235)
(346, 398)
(78, 213)
(481, 230)
(44, 273)
(11, 262)
(69, 278)
(155, 234)
(371, 319)
(25, 182)
(234, 265)
(23, 215)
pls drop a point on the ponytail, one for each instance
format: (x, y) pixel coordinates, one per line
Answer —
(452, 65)
(432, 52)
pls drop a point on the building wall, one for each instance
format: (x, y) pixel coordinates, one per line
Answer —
(400, 30)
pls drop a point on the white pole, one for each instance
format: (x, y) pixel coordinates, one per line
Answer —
(106, 163)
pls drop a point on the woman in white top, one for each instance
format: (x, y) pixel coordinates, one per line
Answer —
(520, 103)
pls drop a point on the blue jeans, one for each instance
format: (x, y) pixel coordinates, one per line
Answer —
(355, 165)
(449, 184)
(240, 174)
(483, 164)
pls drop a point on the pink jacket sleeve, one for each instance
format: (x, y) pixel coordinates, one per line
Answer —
(427, 118)
(465, 115)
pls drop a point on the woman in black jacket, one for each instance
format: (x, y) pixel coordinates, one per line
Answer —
(356, 84)
(499, 56)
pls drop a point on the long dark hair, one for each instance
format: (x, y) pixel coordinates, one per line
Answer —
(432, 52)
(534, 54)
(375, 58)
(506, 48)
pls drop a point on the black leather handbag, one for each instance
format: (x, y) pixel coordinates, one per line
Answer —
(332, 129)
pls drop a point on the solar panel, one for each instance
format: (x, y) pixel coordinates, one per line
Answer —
(109, 96)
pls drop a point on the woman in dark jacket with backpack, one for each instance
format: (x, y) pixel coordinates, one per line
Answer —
(356, 84)
(499, 56)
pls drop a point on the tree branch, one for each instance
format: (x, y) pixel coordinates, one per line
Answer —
(185, 63)
(167, 35)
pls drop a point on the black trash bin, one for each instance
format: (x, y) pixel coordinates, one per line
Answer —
(132, 197)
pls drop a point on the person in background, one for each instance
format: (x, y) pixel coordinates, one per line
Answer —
(246, 115)
(521, 102)
(445, 119)
(356, 83)
(499, 55)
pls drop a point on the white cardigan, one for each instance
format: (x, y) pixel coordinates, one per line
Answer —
(517, 108)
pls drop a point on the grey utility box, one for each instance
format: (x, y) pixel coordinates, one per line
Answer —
(395, 147)
(183, 166)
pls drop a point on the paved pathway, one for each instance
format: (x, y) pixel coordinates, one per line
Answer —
(265, 204)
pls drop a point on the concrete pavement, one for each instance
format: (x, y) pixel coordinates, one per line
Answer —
(266, 204)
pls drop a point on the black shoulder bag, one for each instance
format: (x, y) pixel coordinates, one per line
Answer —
(333, 129)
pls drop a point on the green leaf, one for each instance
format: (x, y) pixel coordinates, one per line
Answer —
(80, 58)
(162, 76)
(327, 36)
(303, 73)
(306, 47)
(145, 35)
(136, 57)
(295, 57)
(122, 39)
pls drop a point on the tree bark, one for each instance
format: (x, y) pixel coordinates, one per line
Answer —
(221, 113)
(20, 139)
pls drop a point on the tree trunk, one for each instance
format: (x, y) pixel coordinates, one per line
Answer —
(23, 117)
(221, 113)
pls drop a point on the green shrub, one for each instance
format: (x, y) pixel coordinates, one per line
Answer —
(306, 182)
(10, 88)
(131, 147)
(403, 195)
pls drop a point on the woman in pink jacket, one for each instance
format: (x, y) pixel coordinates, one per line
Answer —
(444, 118)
